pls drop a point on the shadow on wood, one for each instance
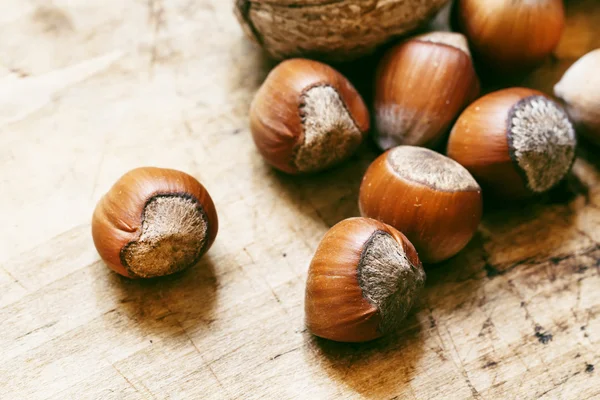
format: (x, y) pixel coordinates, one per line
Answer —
(374, 368)
(173, 302)
(332, 195)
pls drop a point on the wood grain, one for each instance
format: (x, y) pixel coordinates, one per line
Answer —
(91, 89)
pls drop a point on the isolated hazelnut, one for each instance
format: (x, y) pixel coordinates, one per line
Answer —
(307, 117)
(154, 222)
(511, 36)
(330, 30)
(579, 89)
(430, 198)
(422, 85)
(363, 280)
(516, 142)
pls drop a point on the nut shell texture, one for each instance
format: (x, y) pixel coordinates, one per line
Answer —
(154, 221)
(330, 30)
(433, 200)
(516, 142)
(422, 85)
(307, 117)
(362, 281)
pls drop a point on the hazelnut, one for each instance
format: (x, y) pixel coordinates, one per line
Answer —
(330, 30)
(362, 282)
(516, 142)
(579, 89)
(154, 222)
(307, 117)
(422, 85)
(430, 198)
(510, 36)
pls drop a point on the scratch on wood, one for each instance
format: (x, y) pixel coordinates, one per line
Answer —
(124, 377)
(14, 278)
(462, 369)
(559, 385)
(276, 297)
(285, 352)
(38, 329)
(249, 255)
(205, 363)
(197, 350)
(216, 377)
(226, 354)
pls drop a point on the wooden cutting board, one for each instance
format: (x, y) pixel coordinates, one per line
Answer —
(90, 89)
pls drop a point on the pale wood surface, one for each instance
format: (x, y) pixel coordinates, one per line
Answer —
(90, 89)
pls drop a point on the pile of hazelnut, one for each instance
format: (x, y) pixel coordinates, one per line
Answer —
(416, 204)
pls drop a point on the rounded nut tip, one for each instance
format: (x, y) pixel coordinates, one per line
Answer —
(364, 278)
(307, 117)
(517, 142)
(430, 198)
(154, 222)
(411, 110)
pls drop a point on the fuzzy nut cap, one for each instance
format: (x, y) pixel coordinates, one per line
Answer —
(154, 222)
(516, 142)
(363, 280)
(422, 85)
(330, 30)
(430, 198)
(307, 117)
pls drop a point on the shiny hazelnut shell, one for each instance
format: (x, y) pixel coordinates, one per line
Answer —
(511, 36)
(276, 121)
(479, 141)
(117, 219)
(422, 86)
(438, 223)
(335, 306)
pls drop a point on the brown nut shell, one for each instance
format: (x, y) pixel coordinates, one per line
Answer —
(154, 222)
(516, 142)
(362, 281)
(433, 200)
(422, 85)
(307, 117)
(511, 36)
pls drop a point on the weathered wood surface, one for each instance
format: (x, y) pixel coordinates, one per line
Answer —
(90, 89)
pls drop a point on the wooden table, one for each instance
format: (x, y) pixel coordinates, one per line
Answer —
(90, 89)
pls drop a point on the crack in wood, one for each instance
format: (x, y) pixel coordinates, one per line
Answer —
(48, 325)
